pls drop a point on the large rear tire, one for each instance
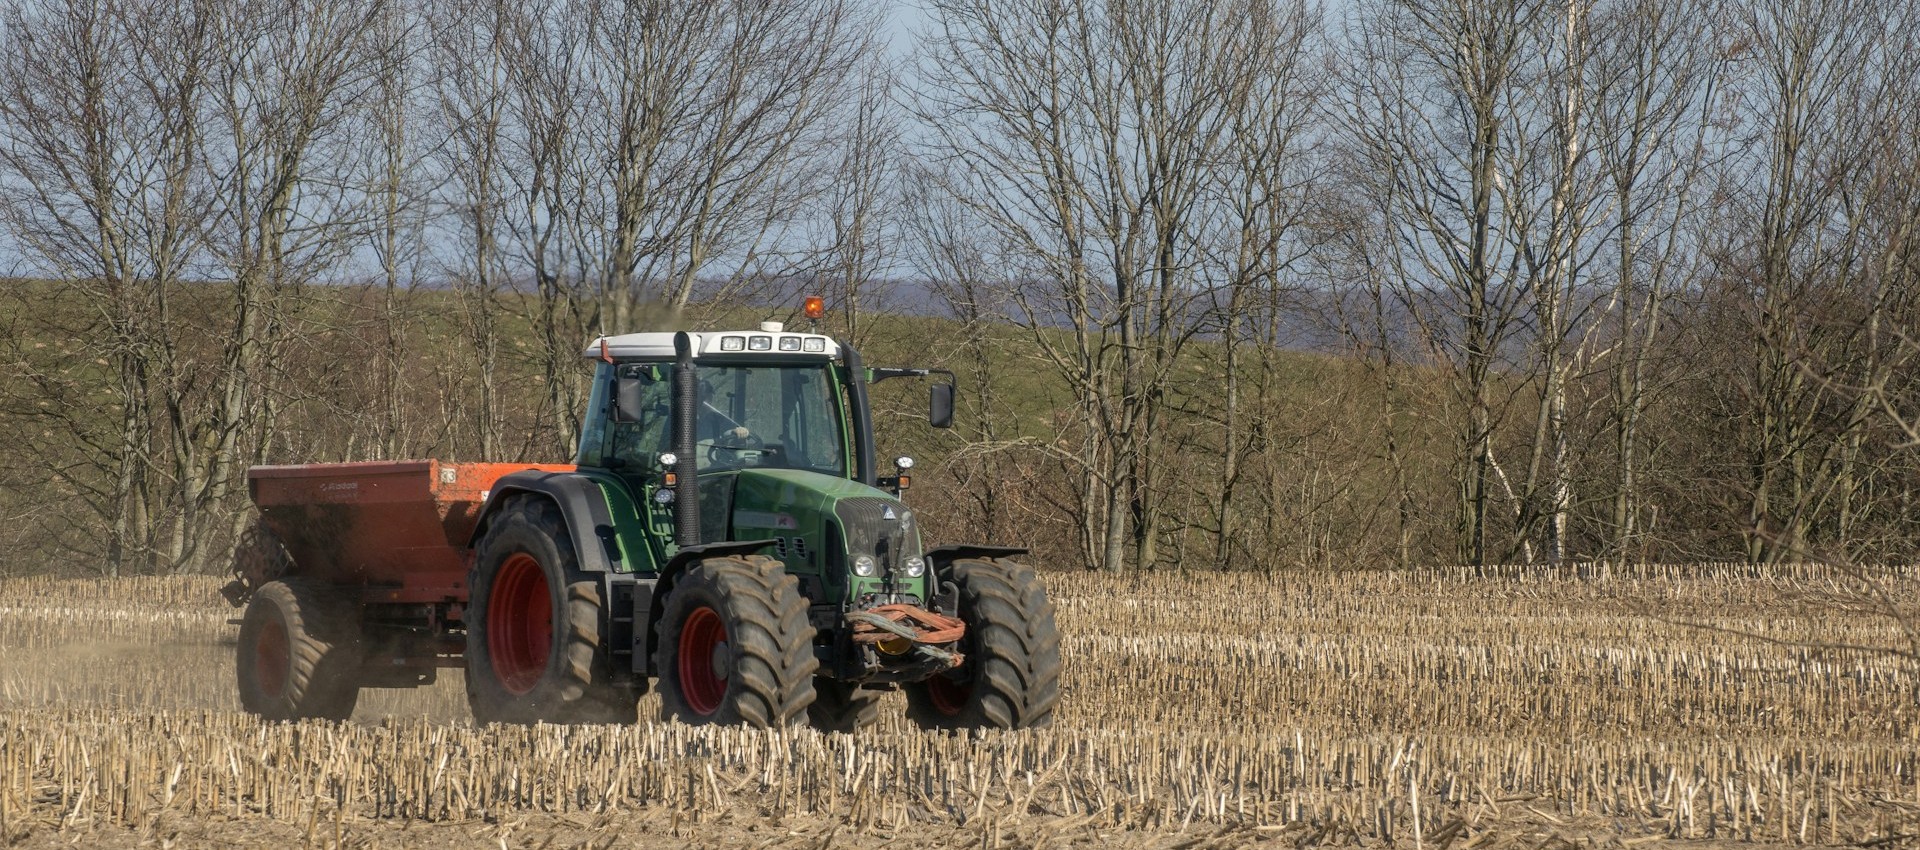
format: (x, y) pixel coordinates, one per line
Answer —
(1011, 676)
(840, 706)
(299, 652)
(533, 626)
(734, 645)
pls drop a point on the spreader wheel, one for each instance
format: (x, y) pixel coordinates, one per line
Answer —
(533, 627)
(734, 645)
(298, 653)
(1011, 676)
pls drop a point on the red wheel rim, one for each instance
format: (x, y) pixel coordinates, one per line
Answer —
(948, 696)
(703, 640)
(519, 623)
(271, 658)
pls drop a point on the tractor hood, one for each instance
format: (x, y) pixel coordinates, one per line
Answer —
(824, 526)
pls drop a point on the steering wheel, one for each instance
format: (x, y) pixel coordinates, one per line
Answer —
(735, 447)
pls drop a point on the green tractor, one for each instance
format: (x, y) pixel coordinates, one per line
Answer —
(723, 536)
(730, 486)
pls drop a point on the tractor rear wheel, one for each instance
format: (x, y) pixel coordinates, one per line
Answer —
(533, 626)
(1011, 676)
(840, 706)
(299, 652)
(734, 645)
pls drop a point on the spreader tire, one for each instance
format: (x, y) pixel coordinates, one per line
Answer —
(840, 706)
(1011, 676)
(533, 626)
(298, 652)
(734, 645)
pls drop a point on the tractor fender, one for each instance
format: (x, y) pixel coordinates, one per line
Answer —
(581, 502)
(691, 554)
(940, 556)
(946, 593)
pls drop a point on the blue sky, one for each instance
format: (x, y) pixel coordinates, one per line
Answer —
(904, 18)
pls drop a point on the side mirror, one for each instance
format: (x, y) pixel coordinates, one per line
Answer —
(626, 399)
(940, 406)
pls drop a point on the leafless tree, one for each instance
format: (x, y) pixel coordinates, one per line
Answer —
(1656, 76)
(99, 124)
(285, 83)
(1554, 227)
(397, 192)
(1470, 123)
(862, 202)
(1264, 195)
(965, 272)
(471, 43)
(1814, 95)
(152, 144)
(619, 153)
(1089, 140)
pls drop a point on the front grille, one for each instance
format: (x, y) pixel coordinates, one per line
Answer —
(869, 531)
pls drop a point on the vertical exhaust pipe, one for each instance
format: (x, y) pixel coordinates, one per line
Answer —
(686, 417)
(863, 467)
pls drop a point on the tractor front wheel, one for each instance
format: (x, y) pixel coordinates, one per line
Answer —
(734, 645)
(533, 627)
(298, 653)
(1011, 676)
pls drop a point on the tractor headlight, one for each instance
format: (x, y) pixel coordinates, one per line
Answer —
(864, 566)
(916, 567)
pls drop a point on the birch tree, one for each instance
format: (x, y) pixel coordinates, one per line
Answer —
(1470, 124)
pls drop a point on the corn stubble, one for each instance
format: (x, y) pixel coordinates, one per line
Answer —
(1420, 708)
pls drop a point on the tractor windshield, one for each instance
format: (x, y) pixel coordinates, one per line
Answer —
(780, 416)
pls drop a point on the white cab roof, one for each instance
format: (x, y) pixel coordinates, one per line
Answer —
(771, 344)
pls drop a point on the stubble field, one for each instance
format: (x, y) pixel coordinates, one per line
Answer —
(1434, 709)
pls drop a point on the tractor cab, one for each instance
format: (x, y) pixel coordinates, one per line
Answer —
(752, 410)
(759, 441)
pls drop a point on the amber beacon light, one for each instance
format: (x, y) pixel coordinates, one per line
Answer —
(815, 307)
